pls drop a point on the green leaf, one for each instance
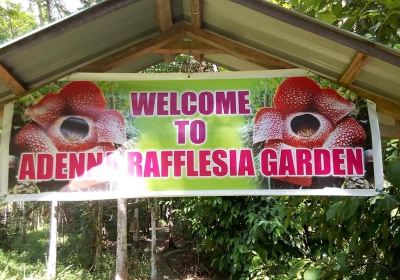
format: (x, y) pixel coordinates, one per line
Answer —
(297, 267)
(333, 210)
(349, 208)
(312, 273)
(391, 4)
(392, 172)
(327, 16)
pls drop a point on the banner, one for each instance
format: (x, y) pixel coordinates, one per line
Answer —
(127, 135)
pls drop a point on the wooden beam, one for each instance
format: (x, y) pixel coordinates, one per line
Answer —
(236, 49)
(196, 7)
(390, 131)
(195, 47)
(389, 127)
(164, 20)
(386, 119)
(163, 14)
(136, 51)
(186, 51)
(353, 69)
(11, 81)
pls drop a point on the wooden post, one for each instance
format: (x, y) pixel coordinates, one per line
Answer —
(52, 260)
(122, 246)
(153, 209)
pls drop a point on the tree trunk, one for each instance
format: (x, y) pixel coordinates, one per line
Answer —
(98, 235)
(169, 214)
(134, 229)
(52, 261)
(153, 210)
(23, 223)
(48, 11)
(10, 23)
(40, 12)
(121, 264)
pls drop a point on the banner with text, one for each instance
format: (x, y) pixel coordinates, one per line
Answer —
(78, 140)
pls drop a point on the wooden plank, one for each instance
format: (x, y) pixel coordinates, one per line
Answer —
(196, 7)
(353, 69)
(164, 20)
(11, 81)
(186, 51)
(181, 46)
(390, 131)
(386, 119)
(163, 14)
(236, 49)
(136, 51)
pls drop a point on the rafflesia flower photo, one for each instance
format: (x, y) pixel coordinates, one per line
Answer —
(73, 120)
(307, 116)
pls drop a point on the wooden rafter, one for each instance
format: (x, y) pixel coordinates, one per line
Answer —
(390, 131)
(163, 14)
(236, 49)
(11, 81)
(136, 51)
(181, 46)
(353, 69)
(196, 9)
(164, 20)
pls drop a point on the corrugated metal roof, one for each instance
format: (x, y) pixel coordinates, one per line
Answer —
(112, 26)
(65, 46)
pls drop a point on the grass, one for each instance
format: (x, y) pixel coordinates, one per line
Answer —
(27, 260)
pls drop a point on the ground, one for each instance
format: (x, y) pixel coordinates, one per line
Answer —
(181, 263)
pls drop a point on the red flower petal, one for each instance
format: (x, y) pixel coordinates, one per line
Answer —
(304, 181)
(83, 98)
(332, 105)
(268, 125)
(32, 138)
(73, 133)
(348, 133)
(110, 127)
(306, 129)
(295, 94)
(49, 108)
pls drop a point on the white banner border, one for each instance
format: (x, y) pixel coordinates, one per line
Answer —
(82, 196)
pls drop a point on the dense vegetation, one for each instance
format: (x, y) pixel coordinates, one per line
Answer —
(238, 237)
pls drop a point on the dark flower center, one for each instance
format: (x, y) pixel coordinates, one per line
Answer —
(305, 125)
(74, 129)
